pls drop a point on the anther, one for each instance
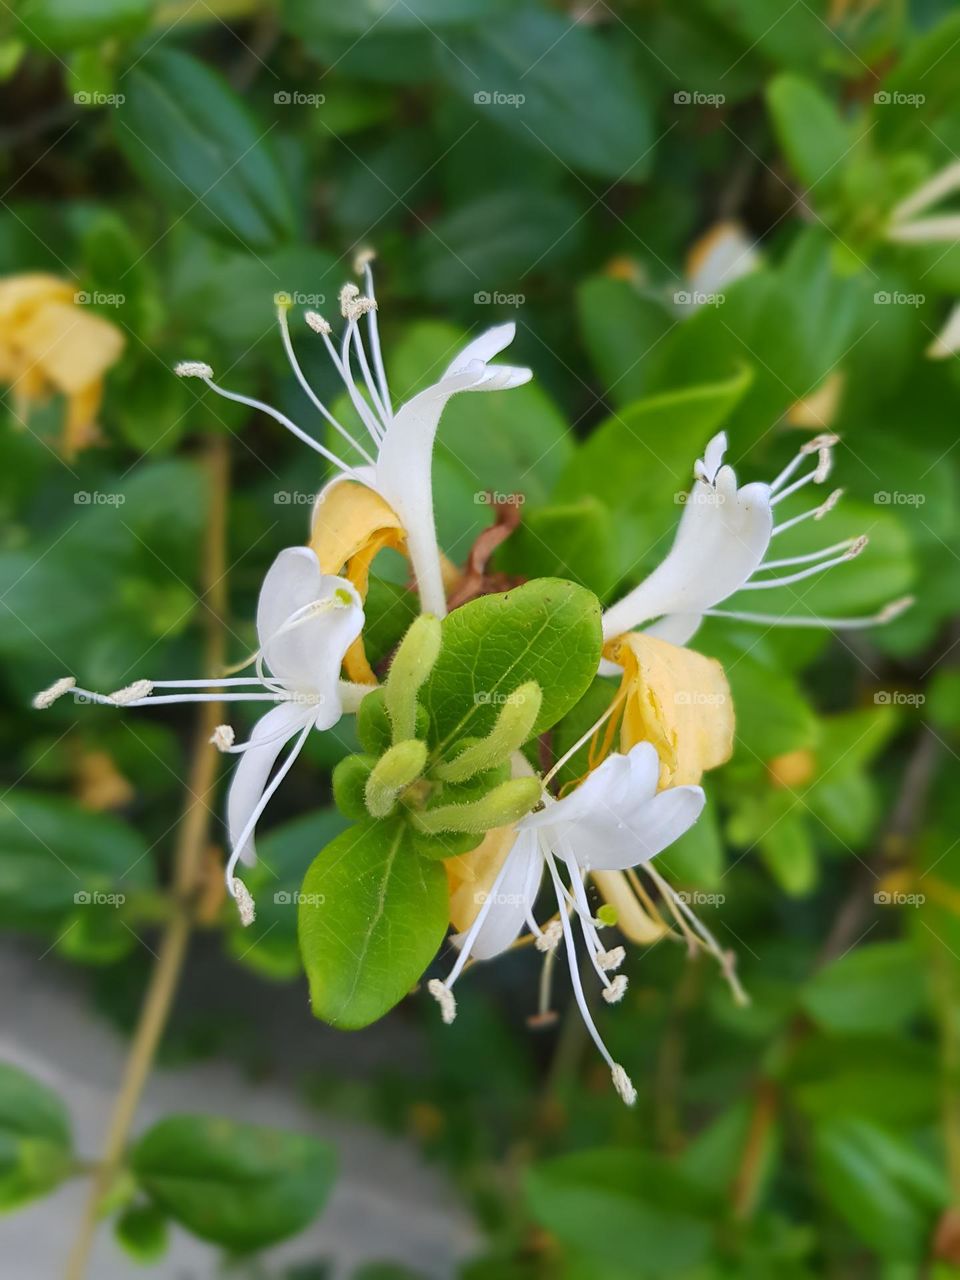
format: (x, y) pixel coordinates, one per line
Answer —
(348, 295)
(826, 507)
(824, 463)
(132, 692)
(223, 737)
(362, 259)
(49, 696)
(613, 959)
(616, 989)
(245, 903)
(856, 547)
(895, 608)
(193, 369)
(824, 441)
(623, 1084)
(444, 998)
(549, 939)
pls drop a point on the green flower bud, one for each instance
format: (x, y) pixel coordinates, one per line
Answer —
(514, 725)
(349, 785)
(498, 808)
(373, 724)
(394, 771)
(411, 665)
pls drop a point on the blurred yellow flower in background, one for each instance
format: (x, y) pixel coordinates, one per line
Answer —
(50, 343)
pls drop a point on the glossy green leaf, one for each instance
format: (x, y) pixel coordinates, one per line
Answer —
(874, 989)
(35, 1144)
(811, 132)
(239, 1185)
(372, 915)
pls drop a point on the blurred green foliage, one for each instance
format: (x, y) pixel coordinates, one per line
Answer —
(183, 163)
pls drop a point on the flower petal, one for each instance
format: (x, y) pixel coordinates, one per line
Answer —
(270, 734)
(650, 828)
(515, 896)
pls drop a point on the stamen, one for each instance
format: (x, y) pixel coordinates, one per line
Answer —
(373, 334)
(444, 998)
(567, 755)
(223, 737)
(353, 334)
(47, 697)
(824, 463)
(317, 323)
(311, 394)
(726, 959)
(815, 513)
(616, 990)
(244, 900)
(362, 259)
(612, 959)
(348, 295)
(135, 692)
(550, 937)
(818, 444)
(346, 377)
(193, 369)
(886, 614)
(811, 556)
(851, 553)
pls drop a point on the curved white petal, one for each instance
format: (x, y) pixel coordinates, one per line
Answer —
(515, 896)
(304, 648)
(677, 628)
(706, 468)
(489, 344)
(272, 731)
(723, 536)
(645, 832)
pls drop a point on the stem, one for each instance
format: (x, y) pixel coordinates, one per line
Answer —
(187, 872)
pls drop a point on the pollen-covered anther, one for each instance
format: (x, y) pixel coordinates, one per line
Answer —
(856, 547)
(612, 959)
(362, 259)
(549, 939)
(359, 307)
(444, 998)
(826, 507)
(132, 692)
(193, 369)
(826, 440)
(347, 297)
(623, 1084)
(316, 322)
(895, 608)
(616, 990)
(223, 737)
(47, 697)
(246, 906)
(824, 463)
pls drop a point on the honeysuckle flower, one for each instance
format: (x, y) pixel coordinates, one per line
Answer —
(721, 545)
(395, 461)
(614, 820)
(909, 223)
(306, 621)
(722, 255)
(51, 342)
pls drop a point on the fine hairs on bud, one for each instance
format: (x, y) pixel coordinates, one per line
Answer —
(411, 665)
(132, 692)
(193, 369)
(612, 959)
(317, 323)
(616, 990)
(444, 998)
(549, 939)
(623, 1084)
(244, 900)
(223, 737)
(47, 697)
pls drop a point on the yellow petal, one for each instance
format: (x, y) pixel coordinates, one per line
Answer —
(633, 920)
(74, 348)
(471, 875)
(678, 700)
(23, 294)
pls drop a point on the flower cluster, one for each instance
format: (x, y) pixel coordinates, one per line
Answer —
(457, 819)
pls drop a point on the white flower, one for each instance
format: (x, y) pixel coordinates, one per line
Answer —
(722, 543)
(306, 621)
(398, 455)
(614, 820)
(908, 221)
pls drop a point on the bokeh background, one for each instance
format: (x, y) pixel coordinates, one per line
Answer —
(698, 216)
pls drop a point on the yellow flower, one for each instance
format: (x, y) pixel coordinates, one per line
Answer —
(49, 343)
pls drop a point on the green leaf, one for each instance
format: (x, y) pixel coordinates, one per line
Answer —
(547, 631)
(142, 1231)
(310, 19)
(811, 132)
(623, 1207)
(35, 1144)
(64, 24)
(620, 326)
(576, 540)
(787, 849)
(561, 87)
(872, 989)
(372, 916)
(697, 858)
(881, 1184)
(195, 146)
(239, 1185)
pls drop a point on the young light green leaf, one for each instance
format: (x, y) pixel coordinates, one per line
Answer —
(35, 1145)
(372, 915)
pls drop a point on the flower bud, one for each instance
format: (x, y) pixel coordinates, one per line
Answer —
(394, 771)
(505, 804)
(514, 725)
(411, 665)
